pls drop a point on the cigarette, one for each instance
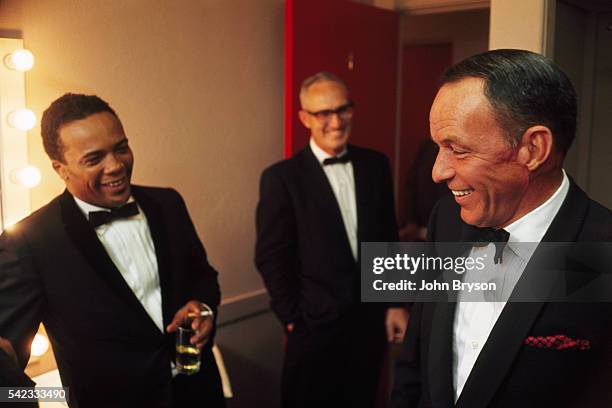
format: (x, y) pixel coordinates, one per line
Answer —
(203, 313)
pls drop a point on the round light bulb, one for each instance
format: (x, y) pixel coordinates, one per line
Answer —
(20, 60)
(40, 345)
(28, 176)
(22, 119)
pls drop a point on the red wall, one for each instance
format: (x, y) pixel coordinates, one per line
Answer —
(319, 36)
(422, 67)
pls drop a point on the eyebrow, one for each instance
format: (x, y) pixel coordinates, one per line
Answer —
(96, 153)
(450, 139)
(91, 155)
(121, 142)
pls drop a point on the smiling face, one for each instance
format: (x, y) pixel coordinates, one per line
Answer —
(97, 160)
(332, 135)
(475, 161)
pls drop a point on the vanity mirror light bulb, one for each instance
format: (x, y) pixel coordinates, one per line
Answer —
(22, 119)
(40, 345)
(20, 60)
(28, 176)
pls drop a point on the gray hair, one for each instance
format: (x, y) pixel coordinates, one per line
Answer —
(322, 76)
(524, 89)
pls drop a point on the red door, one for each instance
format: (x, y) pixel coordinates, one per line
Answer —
(325, 35)
(422, 67)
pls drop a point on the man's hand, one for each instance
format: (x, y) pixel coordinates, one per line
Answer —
(396, 323)
(202, 325)
(7, 347)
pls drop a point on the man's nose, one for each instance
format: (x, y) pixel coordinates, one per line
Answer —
(113, 164)
(442, 171)
(334, 120)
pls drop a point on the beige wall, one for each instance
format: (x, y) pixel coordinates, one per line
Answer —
(520, 24)
(198, 86)
(468, 31)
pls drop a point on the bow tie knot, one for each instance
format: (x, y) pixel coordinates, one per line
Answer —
(499, 237)
(336, 160)
(97, 218)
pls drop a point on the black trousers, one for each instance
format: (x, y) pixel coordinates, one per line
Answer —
(334, 366)
(203, 389)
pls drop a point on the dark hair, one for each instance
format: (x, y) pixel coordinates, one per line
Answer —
(524, 89)
(66, 109)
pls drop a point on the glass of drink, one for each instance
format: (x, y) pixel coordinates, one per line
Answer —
(187, 354)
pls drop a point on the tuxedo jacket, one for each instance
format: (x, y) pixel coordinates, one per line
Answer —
(303, 252)
(12, 376)
(511, 370)
(54, 269)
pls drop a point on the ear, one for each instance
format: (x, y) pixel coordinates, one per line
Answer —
(535, 147)
(304, 118)
(60, 169)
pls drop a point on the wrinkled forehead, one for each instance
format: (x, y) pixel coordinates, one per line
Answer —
(458, 100)
(459, 97)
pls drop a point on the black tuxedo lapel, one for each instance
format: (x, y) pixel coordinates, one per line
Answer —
(361, 176)
(153, 213)
(321, 191)
(517, 318)
(440, 358)
(85, 239)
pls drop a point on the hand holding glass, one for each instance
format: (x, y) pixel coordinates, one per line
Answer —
(187, 354)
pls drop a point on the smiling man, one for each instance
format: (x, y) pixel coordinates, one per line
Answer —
(495, 178)
(314, 210)
(503, 122)
(111, 269)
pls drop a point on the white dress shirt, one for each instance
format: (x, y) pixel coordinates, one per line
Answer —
(342, 181)
(474, 320)
(129, 244)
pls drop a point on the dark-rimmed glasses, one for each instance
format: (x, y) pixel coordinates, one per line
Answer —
(344, 112)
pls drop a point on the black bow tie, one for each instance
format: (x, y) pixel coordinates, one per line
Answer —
(499, 237)
(97, 218)
(334, 160)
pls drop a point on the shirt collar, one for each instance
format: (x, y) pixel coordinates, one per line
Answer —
(320, 154)
(531, 227)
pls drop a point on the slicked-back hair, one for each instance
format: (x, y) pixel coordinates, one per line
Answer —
(66, 109)
(524, 89)
(322, 76)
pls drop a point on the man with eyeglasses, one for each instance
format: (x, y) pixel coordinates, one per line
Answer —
(314, 210)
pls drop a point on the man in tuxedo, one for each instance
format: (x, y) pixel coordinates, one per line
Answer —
(504, 121)
(314, 210)
(112, 269)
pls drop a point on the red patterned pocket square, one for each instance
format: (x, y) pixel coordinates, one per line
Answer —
(557, 342)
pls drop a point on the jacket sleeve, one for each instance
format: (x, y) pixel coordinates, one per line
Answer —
(390, 219)
(11, 375)
(21, 295)
(407, 382)
(205, 284)
(275, 248)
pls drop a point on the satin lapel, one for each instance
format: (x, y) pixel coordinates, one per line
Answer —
(362, 182)
(322, 192)
(517, 319)
(84, 238)
(440, 362)
(440, 358)
(153, 212)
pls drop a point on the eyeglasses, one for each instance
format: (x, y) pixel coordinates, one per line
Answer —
(344, 112)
